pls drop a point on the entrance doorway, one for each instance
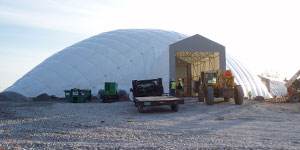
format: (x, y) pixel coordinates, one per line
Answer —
(189, 65)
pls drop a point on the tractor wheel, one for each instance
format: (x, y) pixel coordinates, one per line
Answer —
(140, 108)
(238, 95)
(226, 99)
(201, 97)
(295, 97)
(174, 107)
(209, 95)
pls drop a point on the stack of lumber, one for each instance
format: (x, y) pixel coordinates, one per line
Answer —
(277, 100)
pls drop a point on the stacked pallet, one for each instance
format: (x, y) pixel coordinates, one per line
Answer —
(277, 100)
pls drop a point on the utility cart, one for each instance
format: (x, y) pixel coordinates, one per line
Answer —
(150, 93)
(110, 92)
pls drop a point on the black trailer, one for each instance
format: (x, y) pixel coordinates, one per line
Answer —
(150, 93)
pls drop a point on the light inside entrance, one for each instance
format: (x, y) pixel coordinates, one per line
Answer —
(189, 66)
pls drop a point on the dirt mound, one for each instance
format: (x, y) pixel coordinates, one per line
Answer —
(43, 97)
(4, 98)
(12, 96)
(259, 98)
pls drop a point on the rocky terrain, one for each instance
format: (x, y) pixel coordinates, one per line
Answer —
(95, 125)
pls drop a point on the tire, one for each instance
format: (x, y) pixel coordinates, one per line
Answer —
(209, 99)
(217, 95)
(201, 97)
(295, 97)
(140, 108)
(226, 99)
(174, 107)
(238, 95)
(104, 100)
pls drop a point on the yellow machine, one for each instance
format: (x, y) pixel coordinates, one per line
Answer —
(219, 83)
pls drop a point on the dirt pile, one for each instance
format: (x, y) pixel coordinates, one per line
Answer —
(259, 98)
(12, 96)
(43, 97)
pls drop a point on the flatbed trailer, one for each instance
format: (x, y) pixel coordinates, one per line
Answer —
(142, 102)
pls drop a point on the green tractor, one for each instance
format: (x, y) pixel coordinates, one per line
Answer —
(219, 83)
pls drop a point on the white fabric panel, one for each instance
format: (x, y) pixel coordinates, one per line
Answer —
(248, 81)
(160, 69)
(117, 56)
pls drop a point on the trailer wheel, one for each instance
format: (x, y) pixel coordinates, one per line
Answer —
(226, 99)
(238, 95)
(104, 100)
(140, 108)
(201, 97)
(295, 97)
(174, 107)
(209, 95)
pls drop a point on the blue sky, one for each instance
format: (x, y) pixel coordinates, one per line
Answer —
(262, 34)
(23, 47)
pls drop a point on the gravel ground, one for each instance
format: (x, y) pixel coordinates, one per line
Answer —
(96, 125)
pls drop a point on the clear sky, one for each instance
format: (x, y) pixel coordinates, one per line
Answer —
(263, 34)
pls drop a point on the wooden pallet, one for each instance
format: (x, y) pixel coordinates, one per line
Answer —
(277, 100)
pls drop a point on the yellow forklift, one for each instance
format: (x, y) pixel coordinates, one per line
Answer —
(219, 83)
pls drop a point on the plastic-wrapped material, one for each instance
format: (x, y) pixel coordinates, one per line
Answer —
(118, 56)
(277, 88)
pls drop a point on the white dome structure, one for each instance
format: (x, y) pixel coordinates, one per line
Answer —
(117, 56)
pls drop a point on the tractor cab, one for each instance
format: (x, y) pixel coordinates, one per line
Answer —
(208, 78)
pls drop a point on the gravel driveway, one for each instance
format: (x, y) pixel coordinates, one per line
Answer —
(96, 125)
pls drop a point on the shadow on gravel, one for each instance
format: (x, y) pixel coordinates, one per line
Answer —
(157, 110)
(202, 118)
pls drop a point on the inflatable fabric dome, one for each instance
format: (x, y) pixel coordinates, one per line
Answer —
(116, 56)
